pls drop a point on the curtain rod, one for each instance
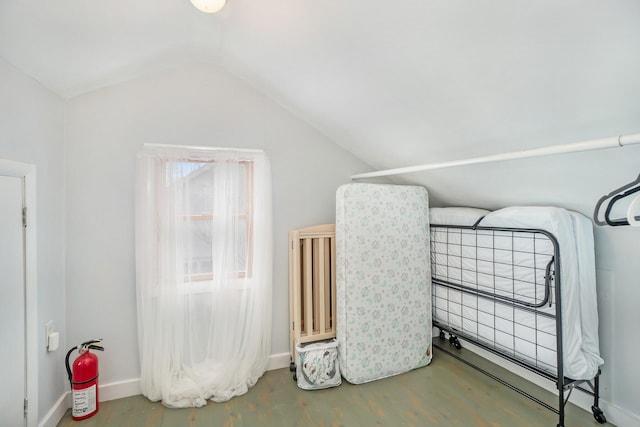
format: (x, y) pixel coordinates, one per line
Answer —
(594, 144)
(196, 147)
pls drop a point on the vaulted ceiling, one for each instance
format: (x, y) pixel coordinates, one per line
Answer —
(395, 83)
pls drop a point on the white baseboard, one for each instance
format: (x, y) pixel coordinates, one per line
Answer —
(119, 389)
(55, 414)
(616, 415)
(110, 391)
(126, 388)
(619, 416)
(278, 361)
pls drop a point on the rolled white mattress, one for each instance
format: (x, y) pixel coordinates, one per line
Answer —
(573, 231)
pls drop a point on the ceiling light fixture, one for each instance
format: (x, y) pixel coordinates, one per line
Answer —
(209, 6)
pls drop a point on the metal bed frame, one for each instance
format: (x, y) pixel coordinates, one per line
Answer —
(458, 271)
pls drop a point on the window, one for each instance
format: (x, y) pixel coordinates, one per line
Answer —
(200, 219)
(204, 260)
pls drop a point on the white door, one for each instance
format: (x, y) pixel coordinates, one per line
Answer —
(12, 303)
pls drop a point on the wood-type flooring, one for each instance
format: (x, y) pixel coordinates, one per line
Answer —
(447, 393)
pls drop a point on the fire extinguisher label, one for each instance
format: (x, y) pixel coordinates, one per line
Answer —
(84, 401)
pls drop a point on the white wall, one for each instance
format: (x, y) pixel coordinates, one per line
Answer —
(31, 131)
(194, 105)
(573, 181)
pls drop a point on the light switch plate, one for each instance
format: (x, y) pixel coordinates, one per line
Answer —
(48, 330)
(53, 341)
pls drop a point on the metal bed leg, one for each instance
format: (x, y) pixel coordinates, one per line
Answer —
(597, 412)
(453, 340)
(561, 402)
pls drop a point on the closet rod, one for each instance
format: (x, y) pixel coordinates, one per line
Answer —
(594, 144)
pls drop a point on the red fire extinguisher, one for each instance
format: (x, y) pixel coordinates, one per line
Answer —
(83, 378)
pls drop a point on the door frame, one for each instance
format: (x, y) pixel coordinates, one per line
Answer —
(28, 173)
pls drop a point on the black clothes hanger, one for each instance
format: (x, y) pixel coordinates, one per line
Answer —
(623, 221)
(615, 192)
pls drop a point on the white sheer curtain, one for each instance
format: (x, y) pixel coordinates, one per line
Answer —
(203, 272)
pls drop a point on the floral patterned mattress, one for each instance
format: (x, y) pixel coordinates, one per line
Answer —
(383, 280)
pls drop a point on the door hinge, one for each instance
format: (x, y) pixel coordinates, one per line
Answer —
(26, 406)
(24, 216)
